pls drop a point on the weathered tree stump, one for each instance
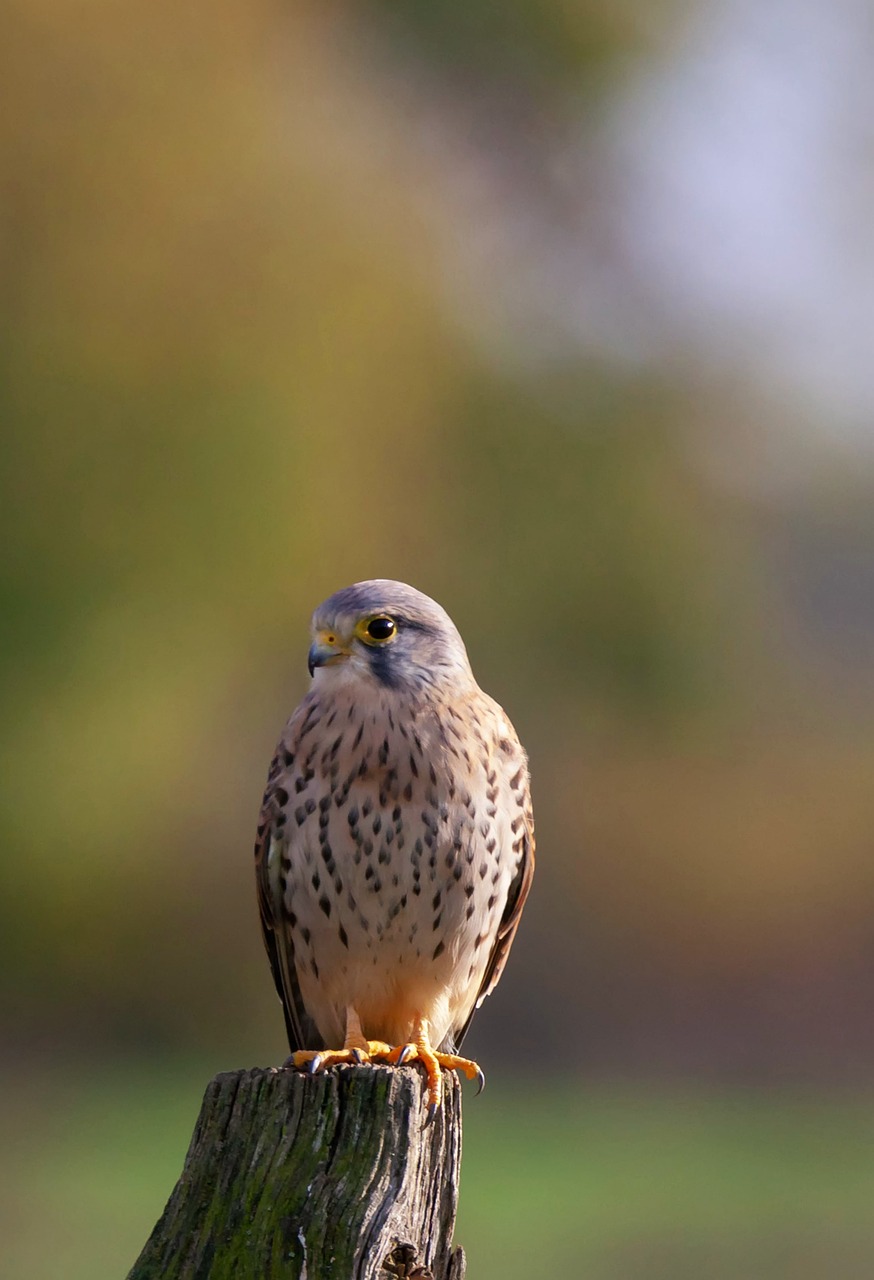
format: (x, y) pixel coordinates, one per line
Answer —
(327, 1177)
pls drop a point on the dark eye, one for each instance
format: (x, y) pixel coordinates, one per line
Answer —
(381, 628)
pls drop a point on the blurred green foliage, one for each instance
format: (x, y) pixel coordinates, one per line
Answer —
(228, 389)
(525, 38)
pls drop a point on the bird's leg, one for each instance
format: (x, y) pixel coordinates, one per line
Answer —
(355, 1048)
(419, 1050)
(356, 1042)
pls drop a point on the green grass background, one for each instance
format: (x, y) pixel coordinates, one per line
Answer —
(569, 1180)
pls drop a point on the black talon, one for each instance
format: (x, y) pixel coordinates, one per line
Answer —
(432, 1113)
(314, 1064)
(405, 1054)
(480, 1081)
(358, 1055)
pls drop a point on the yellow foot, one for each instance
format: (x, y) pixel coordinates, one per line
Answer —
(314, 1060)
(355, 1049)
(420, 1050)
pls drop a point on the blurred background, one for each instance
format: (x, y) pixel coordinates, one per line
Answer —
(563, 314)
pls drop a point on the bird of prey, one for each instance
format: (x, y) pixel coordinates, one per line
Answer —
(395, 846)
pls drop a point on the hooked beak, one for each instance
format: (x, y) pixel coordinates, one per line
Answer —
(325, 651)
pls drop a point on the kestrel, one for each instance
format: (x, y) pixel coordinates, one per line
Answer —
(395, 846)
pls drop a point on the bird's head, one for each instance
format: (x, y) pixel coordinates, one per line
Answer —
(387, 633)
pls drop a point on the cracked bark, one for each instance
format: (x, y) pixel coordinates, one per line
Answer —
(327, 1177)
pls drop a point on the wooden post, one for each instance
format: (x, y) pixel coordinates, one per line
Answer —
(328, 1177)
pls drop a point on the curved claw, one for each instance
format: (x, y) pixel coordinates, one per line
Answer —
(314, 1064)
(431, 1114)
(360, 1056)
(480, 1081)
(406, 1053)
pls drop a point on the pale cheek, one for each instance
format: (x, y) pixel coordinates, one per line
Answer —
(341, 675)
